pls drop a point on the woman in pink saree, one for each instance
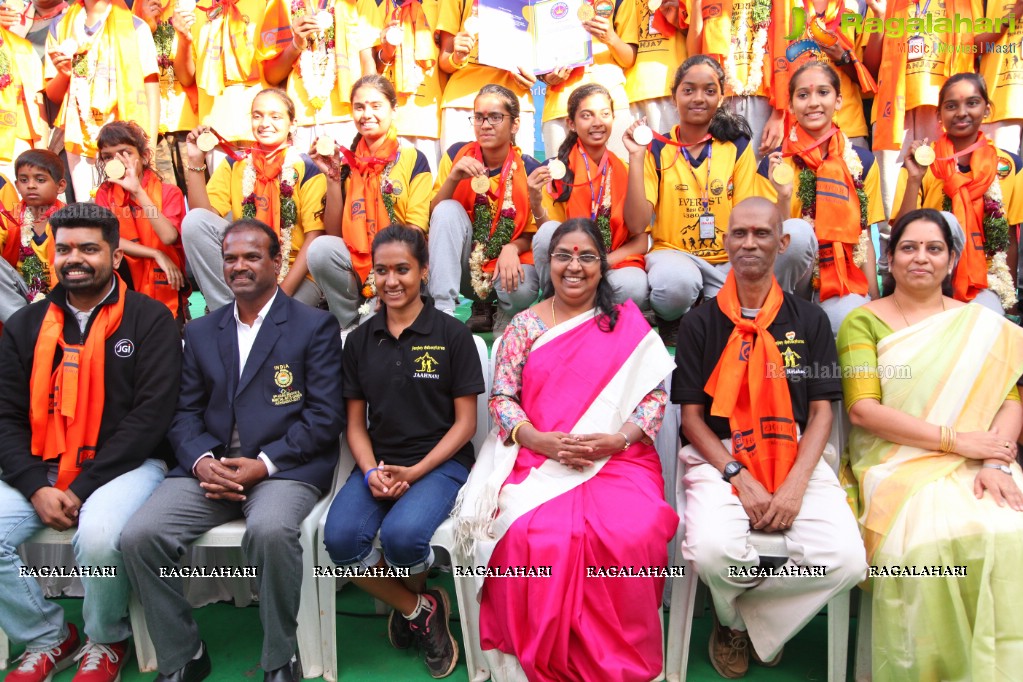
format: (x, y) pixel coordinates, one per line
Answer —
(569, 485)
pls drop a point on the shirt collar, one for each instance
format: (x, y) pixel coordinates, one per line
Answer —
(423, 324)
(261, 315)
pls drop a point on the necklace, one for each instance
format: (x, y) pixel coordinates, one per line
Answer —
(554, 315)
(904, 319)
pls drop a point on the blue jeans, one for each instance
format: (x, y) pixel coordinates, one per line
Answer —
(406, 524)
(25, 614)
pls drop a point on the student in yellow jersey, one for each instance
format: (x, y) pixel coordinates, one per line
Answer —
(312, 49)
(689, 179)
(379, 182)
(1001, 65)
(662, 45)
(459, 57)
(977, 186)
(411, 66)
(835, 187)
(614, 37)
(274, 183)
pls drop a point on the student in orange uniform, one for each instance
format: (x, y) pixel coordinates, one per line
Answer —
(100, 67)
(149, 212)
(1001, 65)
(594, 187)
(614, 33)
(411, 67)
(487, 232)
(662, 45)
(26, 245)
(976, 184)
(381, 181)
(840, 186)
(275, 183)
(459, 57)
(690, 180)
(21, 79)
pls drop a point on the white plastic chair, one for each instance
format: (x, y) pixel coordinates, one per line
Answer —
(444, 537)
(768, 545)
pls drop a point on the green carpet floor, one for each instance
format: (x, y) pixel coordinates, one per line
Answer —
(364, 655)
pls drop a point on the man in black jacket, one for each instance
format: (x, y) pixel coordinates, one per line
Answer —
(88, 387)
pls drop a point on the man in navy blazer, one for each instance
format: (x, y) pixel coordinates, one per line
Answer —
(256, 436)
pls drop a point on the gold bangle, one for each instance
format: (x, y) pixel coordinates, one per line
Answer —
(952, 439)
(454, 65)
(194, 169)
(515, 430)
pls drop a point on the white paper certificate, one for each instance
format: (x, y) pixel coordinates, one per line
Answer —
(559, 38)
(505, 41)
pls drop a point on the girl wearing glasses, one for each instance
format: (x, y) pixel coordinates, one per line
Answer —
(480, 220)
(382, 181)
(594, 187)
(691, 177)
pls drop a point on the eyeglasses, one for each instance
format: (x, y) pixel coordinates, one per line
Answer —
(493, 118)
(584, 258)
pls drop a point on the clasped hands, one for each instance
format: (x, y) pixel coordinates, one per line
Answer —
(576, 450)
(228, 478)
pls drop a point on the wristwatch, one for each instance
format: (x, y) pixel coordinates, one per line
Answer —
(1004, 468)
(732, 468)
(846, 58)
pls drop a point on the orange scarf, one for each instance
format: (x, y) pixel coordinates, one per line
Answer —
(267, 190)
(62, 425)
(832, 21)
(890, 102)
(584, 198)
(365, 212)
(464, 195)
(837, 217)
(117, 54)
(423, 52)
(228, 57)
(665, 27)
(763, 430)
(146, 276)
(967, 195)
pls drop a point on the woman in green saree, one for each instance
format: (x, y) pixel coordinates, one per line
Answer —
(930, 386)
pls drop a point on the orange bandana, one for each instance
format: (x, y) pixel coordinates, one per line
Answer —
(763, 430)
(837, 217)
(464, 195)
(62, 425)
(228, 57)
(267, 190)
(967, 195)
(365, 212)
(146, 276)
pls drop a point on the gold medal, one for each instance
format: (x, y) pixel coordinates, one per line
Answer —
(325, 146)
(585, 12)
(556, 168)
(323, 20)
(654, 5)
(185, 6)
(69, 47)
(604, 8)
(394, 35)
(480, 184)
(643, 135)
(472, 25)
(15, 5)
(783, 174)
(206, 142)
(924, 155)
(114, 169)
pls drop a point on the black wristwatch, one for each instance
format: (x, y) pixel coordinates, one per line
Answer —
(731, 469)
(846, 58)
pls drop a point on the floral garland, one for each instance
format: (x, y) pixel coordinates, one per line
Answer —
(807, 194)
(486, 246)
(317, 65)
(83, 71)
(604, 212)
(163, 37)
(739, 42)
(996, 241)
(390, 191)
(5, 68)
(33, 271)
(289, 211)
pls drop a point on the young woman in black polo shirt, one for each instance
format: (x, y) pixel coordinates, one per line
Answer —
(414, 374)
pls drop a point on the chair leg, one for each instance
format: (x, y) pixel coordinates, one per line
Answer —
(680, 624)
(145, 650)
(5, 650)
(838, 637)
(326, 589)
(308, 632)
(862, 669)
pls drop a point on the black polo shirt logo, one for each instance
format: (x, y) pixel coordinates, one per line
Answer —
(793, 359)
(426, 365)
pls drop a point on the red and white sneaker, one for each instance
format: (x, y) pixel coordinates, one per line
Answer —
(101, 662)
(41, 666)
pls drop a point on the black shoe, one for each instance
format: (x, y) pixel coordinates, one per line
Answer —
(431, 629)
(196, 670)
(399, 631)
(668, 330)
(291, 672)
(482, 318)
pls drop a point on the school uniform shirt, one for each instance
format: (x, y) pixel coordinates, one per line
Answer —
(465, 83)
(871, 184)
(1001, 65)
(659, 54)
(225, 193)
(417, 115)
(676, 190)
(604, 69)
(933, 190)
(19, 115)
(9, 197)
(176, 103)
(412, 187)
(410, 383)
(803, 336)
